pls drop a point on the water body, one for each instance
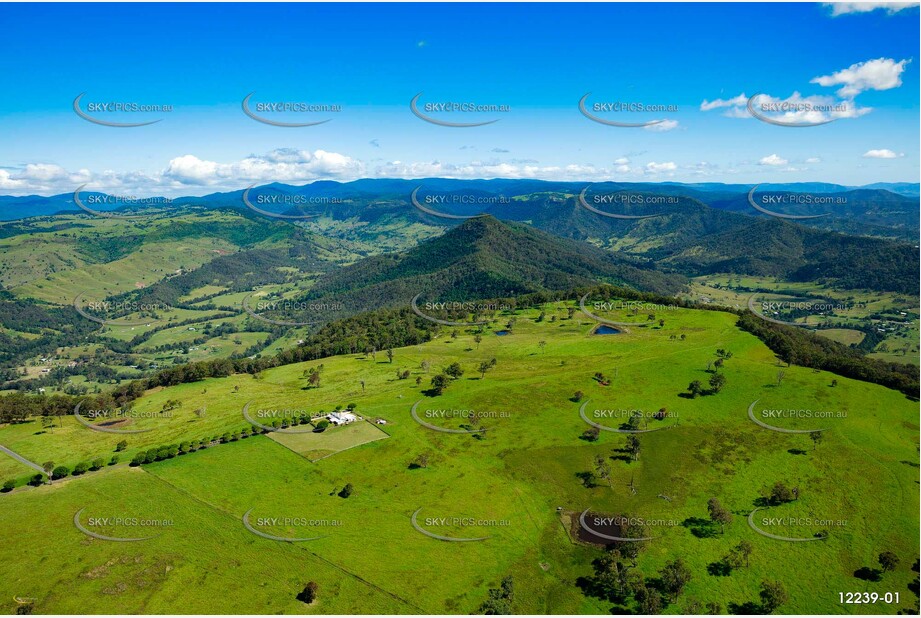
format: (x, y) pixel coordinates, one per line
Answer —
(503, 333)
(604, 329)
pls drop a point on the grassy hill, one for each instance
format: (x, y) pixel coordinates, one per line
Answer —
(859, 483)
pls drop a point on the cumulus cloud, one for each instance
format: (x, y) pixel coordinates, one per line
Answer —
(665, 125)
(772, 159)
(882, 153)
(847, 8)
(660, 168)
(281, 165)
(621, 161)
(878, 74)
(740, 100)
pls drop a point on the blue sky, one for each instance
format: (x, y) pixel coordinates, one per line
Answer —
(371, 59)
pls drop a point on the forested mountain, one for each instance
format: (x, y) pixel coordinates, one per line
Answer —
(484, 258)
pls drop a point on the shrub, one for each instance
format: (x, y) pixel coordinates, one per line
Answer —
(80, 468)
(60, 472)
(8, 486)
(309, 593)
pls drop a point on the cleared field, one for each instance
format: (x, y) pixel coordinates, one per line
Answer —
(842, 335)
(316, 446)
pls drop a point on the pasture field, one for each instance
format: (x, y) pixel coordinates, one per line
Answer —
(515, 484)
(315, 446)
(893, 317)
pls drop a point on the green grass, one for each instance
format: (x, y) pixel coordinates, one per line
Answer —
(316, 446)
(521, 471)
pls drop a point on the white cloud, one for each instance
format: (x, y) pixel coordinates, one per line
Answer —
(813, 160)
(665, 125)
(281, 165)
(658, 168)
(878, 74)
(883, 153)
(622, 169)
(846, 8)
(772, 160)
(621, 161)
(706, 106)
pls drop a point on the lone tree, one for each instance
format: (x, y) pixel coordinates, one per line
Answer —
(888, 561)
(346, 491)
(309, 594)
(390, 354)
(780, 493)
(478, 339)
(48, 466)
(421, 461)
(816, 437)
(773, 595)
(591, 434)
(719, 514)
(577, 396)
(695, 388)
(439, 383)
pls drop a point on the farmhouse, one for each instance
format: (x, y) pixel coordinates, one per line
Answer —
(341, 418)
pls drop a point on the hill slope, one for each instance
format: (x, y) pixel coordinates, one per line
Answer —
(484, 258)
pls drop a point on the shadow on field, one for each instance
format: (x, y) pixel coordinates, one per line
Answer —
(700, 527)
(868, 574)
(748, 608)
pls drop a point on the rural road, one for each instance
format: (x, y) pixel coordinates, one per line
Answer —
(21, 459)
